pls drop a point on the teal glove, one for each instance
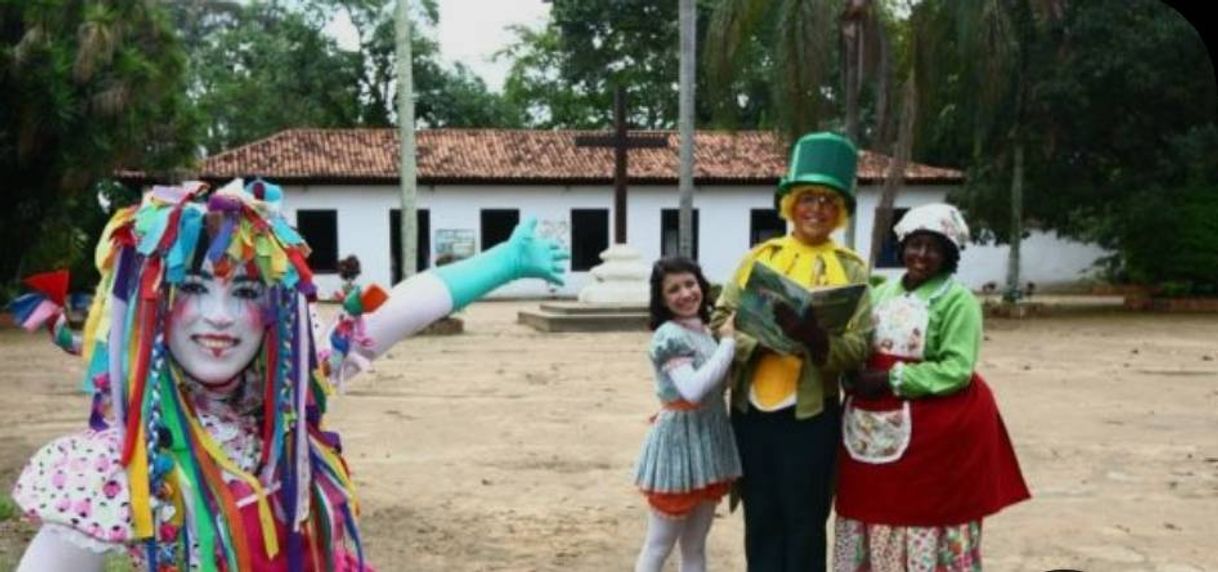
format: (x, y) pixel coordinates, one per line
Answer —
(524, 255)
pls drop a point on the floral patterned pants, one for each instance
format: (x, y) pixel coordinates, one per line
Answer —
(862, 547)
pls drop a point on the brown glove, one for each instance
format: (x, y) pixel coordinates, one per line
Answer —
(804, 330)
(868, 383)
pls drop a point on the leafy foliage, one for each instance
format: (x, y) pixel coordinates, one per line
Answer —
(86, 88)
(270, 66)
(564, 74)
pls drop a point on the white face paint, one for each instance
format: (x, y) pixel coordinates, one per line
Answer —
(216, 328)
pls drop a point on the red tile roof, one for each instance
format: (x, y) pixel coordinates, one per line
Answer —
(507, 156)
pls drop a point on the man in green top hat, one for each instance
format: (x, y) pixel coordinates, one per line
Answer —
(785, 408)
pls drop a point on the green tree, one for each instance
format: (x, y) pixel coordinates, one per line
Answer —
(1110, 101)
(260, 68)
(270, 69)
(563, 75)
(444, 97)
(86, 88)
(813, 77)
(1004, 96)
(827, 62)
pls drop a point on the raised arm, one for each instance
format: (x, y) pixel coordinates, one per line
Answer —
(418, 301)
(694, 384)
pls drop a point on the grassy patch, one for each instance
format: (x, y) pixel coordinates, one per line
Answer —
(118, 563)
(8, 509)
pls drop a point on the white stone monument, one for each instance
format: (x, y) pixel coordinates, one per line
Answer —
(621, 279)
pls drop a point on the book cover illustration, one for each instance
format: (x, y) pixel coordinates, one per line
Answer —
(834, 306)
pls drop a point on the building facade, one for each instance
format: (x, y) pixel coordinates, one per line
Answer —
(475, 185)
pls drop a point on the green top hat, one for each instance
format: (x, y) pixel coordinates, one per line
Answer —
(826, 159)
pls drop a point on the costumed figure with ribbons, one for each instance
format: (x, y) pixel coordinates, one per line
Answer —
(348, 271)
(46, 306)
(688, 460)
(207, 448)
(924, 453)
(785, 407)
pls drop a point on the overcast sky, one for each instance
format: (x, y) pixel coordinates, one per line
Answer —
(471, 31)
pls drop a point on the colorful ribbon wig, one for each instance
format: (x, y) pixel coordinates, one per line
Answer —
(182, 482)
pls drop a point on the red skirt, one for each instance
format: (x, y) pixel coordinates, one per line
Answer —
(959, 465)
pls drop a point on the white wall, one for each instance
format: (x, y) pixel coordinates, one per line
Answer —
(363, 227)
(1045, 258)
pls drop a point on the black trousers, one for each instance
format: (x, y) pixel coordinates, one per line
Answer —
(787, 489)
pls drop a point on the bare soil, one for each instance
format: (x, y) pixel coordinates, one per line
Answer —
(507, 449)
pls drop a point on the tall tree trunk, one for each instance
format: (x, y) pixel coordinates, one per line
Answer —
(852, 39)
(688, 22)
(896, 169)
(883, 76)
(1012, 292)
(406, 148)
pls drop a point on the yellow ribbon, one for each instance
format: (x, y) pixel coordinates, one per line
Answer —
(99, 311)
(809, 265)
(331, 460)
(137, 477)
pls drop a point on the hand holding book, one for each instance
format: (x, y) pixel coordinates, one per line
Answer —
(803, 329)
(813, 315)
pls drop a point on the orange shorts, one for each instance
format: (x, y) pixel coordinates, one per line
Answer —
(677, 505)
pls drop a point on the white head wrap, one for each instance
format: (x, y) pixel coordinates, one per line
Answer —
(939, 218)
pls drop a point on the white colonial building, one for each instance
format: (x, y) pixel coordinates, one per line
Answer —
(341, 189)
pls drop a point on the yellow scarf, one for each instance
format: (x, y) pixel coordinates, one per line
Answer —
(776, 376)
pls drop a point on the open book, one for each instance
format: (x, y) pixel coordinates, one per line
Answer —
(834, 306)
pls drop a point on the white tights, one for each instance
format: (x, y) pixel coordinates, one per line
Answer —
(51, 552)
(663, 532)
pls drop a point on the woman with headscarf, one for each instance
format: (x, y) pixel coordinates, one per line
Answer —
(925, 455)
(206, 448)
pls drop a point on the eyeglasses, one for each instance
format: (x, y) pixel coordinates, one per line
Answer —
(817, 199)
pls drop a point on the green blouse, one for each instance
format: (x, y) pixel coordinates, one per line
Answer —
(953, 338)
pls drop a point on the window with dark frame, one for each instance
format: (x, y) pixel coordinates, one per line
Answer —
(890, 251)
(496, 226)
(765, 224)
(422, 246)
(589, 237)
(319, 228)
(669, 232)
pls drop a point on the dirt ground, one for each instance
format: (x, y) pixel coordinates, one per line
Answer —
(508, 449)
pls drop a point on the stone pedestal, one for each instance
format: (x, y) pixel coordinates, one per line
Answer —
(620, 279)
(580, 317)
(615, 301)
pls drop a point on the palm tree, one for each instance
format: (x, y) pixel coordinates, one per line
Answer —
(1005, 81)
(801, 52)
(406, 146)
(896, 168)
(800, 49)
(920, 63)
(685, 120)
(865, 49)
